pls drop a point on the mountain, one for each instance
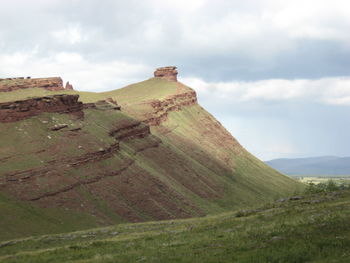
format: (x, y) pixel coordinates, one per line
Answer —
(324, 165)
(72, 160)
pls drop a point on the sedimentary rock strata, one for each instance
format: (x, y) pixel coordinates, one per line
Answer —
(126, 130)
(161, 108)
(23, 109)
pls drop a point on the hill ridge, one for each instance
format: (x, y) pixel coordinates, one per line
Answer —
(145, 152)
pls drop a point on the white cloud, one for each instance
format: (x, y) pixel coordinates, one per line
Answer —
(259, 29)
(333, 91)
(322, 19)
(71, 35)
(179, 5)
(83, 74)
(263, 28)
(103, 45)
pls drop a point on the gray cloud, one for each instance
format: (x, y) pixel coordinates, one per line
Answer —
(239, 49)
(282, 118)
(224, 40)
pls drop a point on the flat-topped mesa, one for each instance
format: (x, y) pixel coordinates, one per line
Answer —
(53, 84)
(168, 73)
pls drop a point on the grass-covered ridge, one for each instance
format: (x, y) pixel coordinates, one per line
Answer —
(187, 166)
(153, 88)
(312, 228)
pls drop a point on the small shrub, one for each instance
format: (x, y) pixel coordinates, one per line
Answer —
(328, 186)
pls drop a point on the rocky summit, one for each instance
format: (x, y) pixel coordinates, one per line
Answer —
(168, 73)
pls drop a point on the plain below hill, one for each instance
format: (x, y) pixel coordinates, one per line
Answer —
(323, 165)
(314, 228)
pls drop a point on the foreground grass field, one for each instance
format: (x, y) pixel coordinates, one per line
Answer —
(313, 228)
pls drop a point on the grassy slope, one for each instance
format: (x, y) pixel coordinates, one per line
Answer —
(197, 134)
(20, 219)
(109, 199)
(247, 180)
(313, 229)
(148, 89)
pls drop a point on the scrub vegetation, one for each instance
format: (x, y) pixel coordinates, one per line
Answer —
(309, 228)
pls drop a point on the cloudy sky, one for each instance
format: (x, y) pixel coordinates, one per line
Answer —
(275, 73)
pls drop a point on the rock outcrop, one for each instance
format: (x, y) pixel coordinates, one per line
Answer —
(23, 109)
(53, 84)
(168, 73)
(126, 130)
(161, 108)
(68, 86)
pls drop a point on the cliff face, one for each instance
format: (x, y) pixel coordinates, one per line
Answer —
(53, 84)
(23, 109)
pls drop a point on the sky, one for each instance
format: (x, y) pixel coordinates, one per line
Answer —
(275, 73)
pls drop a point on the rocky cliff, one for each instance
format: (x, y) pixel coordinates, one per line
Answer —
(53, 84)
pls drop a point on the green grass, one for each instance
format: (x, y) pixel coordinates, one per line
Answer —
(312, 229)
(154, 88)
(245, 179)
(20, 219)
(145, 90)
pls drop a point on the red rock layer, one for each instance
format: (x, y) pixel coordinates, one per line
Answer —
(18, 181)
(23, 109)
(161, 108)
(129, 130)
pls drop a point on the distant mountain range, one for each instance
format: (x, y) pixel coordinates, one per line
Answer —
(323, 165)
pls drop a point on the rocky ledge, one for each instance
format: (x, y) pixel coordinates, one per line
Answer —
(23, 109)
(161, 108)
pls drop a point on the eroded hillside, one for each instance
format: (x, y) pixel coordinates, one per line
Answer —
(158, 156)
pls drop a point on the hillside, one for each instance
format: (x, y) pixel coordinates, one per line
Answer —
(145, 152)
(324, 165)
(313, 228)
